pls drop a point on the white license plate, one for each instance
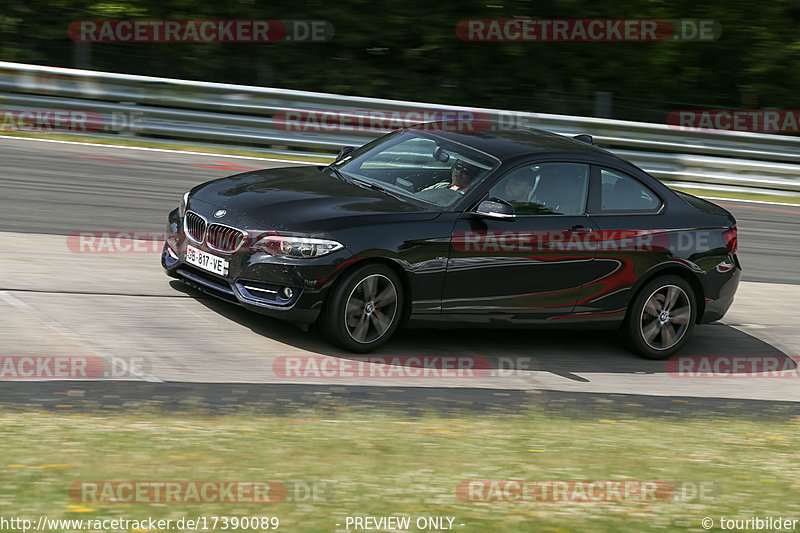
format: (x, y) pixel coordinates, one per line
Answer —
(206, 261)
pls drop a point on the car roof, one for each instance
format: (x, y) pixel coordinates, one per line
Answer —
(508, 141)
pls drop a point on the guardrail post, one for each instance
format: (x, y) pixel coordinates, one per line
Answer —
(602, 104)
(82, 55)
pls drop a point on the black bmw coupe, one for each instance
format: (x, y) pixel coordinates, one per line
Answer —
(441, 224)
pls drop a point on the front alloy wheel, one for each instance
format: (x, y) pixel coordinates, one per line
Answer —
(370, 308)
(364, 308)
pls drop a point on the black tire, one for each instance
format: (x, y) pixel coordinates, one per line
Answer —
(661, 317)
(364, 308)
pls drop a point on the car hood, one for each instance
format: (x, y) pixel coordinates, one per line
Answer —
(303, 199)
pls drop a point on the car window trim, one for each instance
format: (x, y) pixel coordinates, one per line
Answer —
(595, 190)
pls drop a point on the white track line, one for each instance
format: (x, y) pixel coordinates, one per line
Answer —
(65, 331)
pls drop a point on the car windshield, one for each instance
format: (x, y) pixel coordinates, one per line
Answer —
(419, 167)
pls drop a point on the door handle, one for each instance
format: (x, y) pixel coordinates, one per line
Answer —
(580, 227)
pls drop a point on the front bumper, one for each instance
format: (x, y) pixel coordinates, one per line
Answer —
(256, 281)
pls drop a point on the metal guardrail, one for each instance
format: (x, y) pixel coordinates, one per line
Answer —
(172, 109)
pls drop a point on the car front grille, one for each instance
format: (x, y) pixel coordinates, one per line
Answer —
(217, 237)
(195, 226)
(224, 238)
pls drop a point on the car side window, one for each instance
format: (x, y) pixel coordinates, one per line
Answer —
(620, 192)
(545, 189)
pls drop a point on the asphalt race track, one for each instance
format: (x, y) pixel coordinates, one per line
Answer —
(120, 306)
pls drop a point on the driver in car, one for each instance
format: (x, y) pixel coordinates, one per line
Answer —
(460, 178)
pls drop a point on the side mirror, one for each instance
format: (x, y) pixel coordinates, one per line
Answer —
(496, 208)
(344, 152)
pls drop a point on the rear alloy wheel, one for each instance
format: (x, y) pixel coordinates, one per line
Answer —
(364, 308)
(661, 317)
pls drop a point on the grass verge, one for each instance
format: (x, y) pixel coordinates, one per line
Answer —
(380, 464)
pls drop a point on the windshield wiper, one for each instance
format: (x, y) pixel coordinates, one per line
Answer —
(337, 172)
(375, 187)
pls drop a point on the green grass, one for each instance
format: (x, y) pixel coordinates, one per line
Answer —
(380, 464)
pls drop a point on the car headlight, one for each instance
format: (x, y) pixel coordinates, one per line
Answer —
(301, 247)
(182, 206)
